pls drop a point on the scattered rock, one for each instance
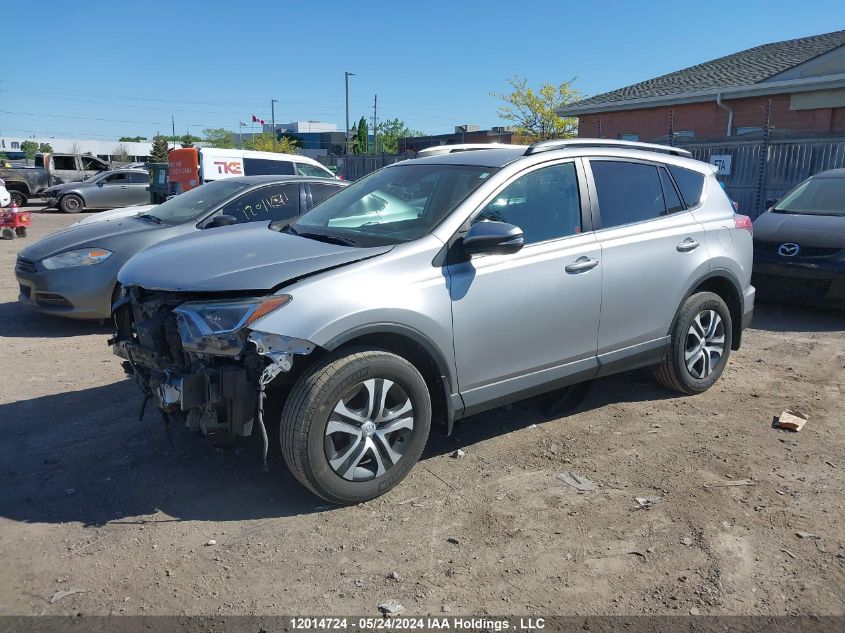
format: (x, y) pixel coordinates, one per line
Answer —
(694, 611)
(210, 542)
(391, 607)
(647, 502)
(446, 608)
(452, 540)
(394, 575)
(687, 541)
(458, 454)
(806, 535)
(733, 482)
(64, 594)
(791, 420)
(576, 481)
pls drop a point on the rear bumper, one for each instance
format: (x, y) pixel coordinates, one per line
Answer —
(801, 282)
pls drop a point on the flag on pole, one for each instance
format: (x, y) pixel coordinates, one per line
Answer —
(242, 123)
(255, 119)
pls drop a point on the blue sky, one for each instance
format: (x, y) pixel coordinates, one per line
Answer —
(122, 68)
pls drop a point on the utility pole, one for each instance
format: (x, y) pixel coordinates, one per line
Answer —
(346, 77)
(273, 103)
(173, 130)
(375, 124)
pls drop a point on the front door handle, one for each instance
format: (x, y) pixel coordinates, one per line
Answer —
(582, 264)
(687, 245)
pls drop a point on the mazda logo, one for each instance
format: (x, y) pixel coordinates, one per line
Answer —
(789, 249)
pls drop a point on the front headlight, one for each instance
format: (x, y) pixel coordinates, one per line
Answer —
(212, 327)
(81, 257)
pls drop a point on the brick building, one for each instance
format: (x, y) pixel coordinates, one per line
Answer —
(804, 79)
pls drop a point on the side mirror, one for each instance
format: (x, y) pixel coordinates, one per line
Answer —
(222, 220)
(100, 183)
(771, 202)
(493, 238)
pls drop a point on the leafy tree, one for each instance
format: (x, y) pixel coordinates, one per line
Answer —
(158, 154)
(188, 140)
(120, 153)
(44, 148)
(534, 113)
(30, 149)
(264, 143)
(389, 133)
(219, 137)
(132, 139)
(361, 143)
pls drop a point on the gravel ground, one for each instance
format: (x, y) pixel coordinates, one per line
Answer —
(93, 500)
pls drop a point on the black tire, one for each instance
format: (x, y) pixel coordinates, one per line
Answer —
(8, 234)
(71, 203)
(18, 198)
(20, 231)
(311, 402)
(673, 372)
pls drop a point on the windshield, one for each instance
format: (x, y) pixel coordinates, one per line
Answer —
(397, 204)
(197, 202)
(819, 196)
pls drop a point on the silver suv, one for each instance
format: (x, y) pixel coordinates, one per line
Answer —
(434, 289)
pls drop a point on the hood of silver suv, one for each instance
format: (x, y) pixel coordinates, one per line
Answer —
(235, 258)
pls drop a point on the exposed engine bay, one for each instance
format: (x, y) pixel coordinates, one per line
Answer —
(196, 357)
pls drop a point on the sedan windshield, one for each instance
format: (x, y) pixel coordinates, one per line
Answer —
(197, 202)
(818, 196)
(396, 204)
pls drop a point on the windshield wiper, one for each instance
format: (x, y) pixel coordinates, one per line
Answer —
(148, 216)
(333, 239)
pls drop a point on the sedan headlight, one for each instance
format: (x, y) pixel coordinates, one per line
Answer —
(213, 327)
(81, 257)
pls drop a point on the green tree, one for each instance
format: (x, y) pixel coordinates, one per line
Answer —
(45, 148)
(389, 133)
(361, 142)
(30, 149)
(186, 140)
(158, 154)
(264, 143)
(132, 139)
(534, 113)
(219, 137)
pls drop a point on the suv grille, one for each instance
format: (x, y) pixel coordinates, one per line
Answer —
(25, 265)
(771, 248)
(790, 287)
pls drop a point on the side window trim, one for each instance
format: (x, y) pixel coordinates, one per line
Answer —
(584, 203)
(594, 198)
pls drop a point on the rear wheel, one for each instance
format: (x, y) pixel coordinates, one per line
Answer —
(700, 345)
(71, 203)
(20, 231)
(8, 234)
(355, 423)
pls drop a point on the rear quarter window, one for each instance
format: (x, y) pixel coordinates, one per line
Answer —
(690, 183)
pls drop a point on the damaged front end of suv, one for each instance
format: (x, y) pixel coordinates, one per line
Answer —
(200, 359)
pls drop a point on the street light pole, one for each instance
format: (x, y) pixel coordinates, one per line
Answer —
(273, 103)
(346, 76)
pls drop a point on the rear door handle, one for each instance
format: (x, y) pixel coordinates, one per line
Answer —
(687, 245)
(582, 264)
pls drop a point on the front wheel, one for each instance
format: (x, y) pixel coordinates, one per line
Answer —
(71, 203)
(355, 424)
(20, 231)
(18, 198)
(700, 345)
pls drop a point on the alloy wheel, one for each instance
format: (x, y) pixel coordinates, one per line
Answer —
(368, 429)
(705, 344)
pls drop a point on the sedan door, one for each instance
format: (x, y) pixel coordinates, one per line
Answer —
(653, 250)
(527, 321)
(109, 192)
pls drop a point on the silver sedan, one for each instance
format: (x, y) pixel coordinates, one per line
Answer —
(107, 190)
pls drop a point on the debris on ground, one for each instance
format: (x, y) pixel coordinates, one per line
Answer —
(647, 502)
(694, 611)
(406, 501)
(687, 541)
(800, 534)
(576, 481)
(830, 463)
(452, 540)
(640, 554)
(391, 607)
(458, 454)
(791, 420)
(64, 594)
(732, 482)
(788, 553)
(394, 575)
(210, 542)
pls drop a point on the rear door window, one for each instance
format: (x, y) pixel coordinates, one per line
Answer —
(266, 204)
(265, 167)
(627, 192)
(691, 184)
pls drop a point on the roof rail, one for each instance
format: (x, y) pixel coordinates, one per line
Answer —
(547, 146)
(436, 150)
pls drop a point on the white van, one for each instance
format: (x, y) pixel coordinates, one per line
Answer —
(190, 167)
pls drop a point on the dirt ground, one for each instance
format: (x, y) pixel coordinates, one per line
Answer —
(93, 500)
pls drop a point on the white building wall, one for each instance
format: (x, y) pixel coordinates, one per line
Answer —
(83, 146)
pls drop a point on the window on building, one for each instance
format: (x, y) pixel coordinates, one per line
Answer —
(267, 204)
(748, 129)
(543, 203)
(627, 192)
(684, 133)
(691, 184)
(629, 137)
(16, 145)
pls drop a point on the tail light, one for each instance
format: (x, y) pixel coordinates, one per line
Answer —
(743, 222)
